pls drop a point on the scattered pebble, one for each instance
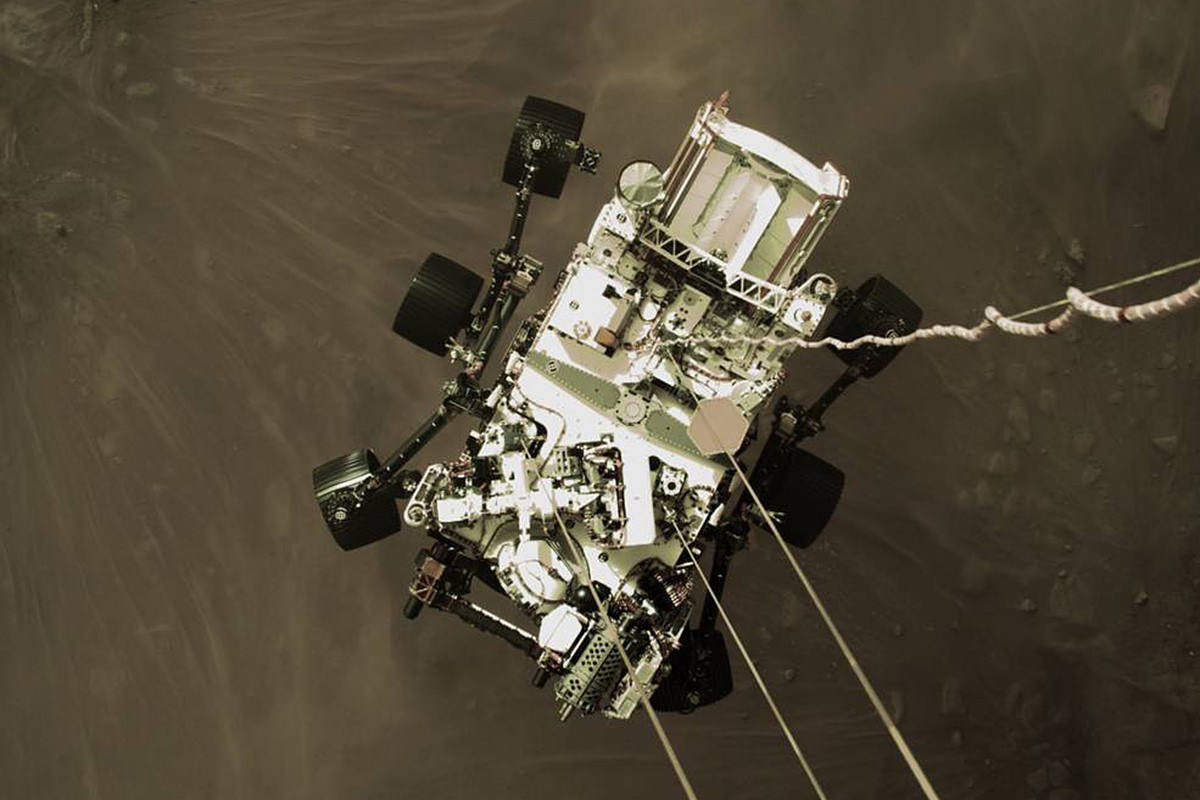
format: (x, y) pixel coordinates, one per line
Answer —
(1059, 773)
(1038, 780)
(1141, 599)
(897, 706)
(789, 674)
(1028, 606)
(1018, 417)
(1168, 445)
(897, 630)
(1062, 573)
(142, 89)
(1152, 105)
(85, 33)
(1048, 401)
(1075, 251)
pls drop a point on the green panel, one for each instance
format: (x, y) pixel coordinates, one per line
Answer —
(594, 391)
(665, 429)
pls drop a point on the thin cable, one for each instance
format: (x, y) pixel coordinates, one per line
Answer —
(616, 637)
(1158, 273)
(787, 732)
(897, 737)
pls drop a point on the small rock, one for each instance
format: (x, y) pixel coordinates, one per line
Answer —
(1075, 251)
(1066, 274)
(1152, 105)
(956, 738)
(897, 630)
(1084, 441)
(1064, 793)
(1018, 417)
(1062, 574)
(897, 706)
(1028, 606)
(1059, 773)
(789, 674)
(142, 89)
(1048, 401)
(85, 33)
(952, 701)
(1168, 445)
(1038, 780)
(1141, 599)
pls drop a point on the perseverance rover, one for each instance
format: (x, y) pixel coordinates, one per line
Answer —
(605, 444)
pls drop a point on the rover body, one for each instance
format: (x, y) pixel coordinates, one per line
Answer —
(604, 445)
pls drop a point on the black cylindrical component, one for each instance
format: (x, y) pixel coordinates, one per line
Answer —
(413, 444)
(488, 622)
(508, 306)
(822, 403)
(412, 608)
(521, 212)
(540, 676)
(722, 557)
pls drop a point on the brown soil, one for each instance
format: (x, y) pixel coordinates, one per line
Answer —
(209, 211)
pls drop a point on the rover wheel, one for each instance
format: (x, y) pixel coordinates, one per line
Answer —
(801, 491)
(438, 303)
(562, 121)
(700, 674)
(880, 308)
(352, 521)
(412, 608)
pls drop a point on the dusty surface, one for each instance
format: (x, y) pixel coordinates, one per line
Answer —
(198, 204)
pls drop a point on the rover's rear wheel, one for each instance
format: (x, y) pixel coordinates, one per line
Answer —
(880, 308)
(438, 303)
(800, 490)
(562, 122)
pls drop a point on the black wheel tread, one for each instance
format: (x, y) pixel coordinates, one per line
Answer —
(438, 303)
(881, 307)
(804, 490)
(564, 121)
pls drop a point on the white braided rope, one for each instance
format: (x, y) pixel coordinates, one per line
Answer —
(1077, 303)
(1136, 313)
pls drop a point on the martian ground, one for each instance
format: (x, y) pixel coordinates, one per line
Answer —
(210, 210)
